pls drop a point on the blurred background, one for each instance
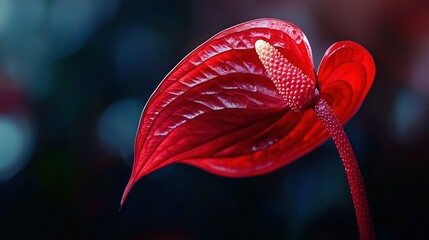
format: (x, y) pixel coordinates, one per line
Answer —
(75, 75)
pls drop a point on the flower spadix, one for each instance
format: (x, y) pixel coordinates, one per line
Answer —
(296, 88)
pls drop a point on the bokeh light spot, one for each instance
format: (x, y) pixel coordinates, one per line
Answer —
(15, 146)
(407, 113)
(137, 50)
(117, 127)
(5, 13)
(69, 31)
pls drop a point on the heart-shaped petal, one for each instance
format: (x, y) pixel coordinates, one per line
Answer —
(218, 109)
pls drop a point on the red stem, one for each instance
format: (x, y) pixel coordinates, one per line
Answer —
(325, 114)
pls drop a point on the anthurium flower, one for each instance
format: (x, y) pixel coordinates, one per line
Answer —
(247, 102)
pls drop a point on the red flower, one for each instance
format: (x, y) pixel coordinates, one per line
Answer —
(221, 109)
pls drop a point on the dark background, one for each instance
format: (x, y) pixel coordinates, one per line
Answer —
(74, 77)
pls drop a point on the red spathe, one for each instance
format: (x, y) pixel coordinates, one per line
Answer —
(218, 109)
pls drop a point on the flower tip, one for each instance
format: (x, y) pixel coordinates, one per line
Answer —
(262, 48)
(259, 44)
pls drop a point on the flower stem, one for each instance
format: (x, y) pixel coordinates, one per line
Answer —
(325, 114)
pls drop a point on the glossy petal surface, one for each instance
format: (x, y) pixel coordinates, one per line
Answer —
(218, 110)
(345, 76)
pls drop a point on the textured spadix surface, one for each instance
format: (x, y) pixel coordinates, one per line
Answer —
(297, 89)
(219, 110)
